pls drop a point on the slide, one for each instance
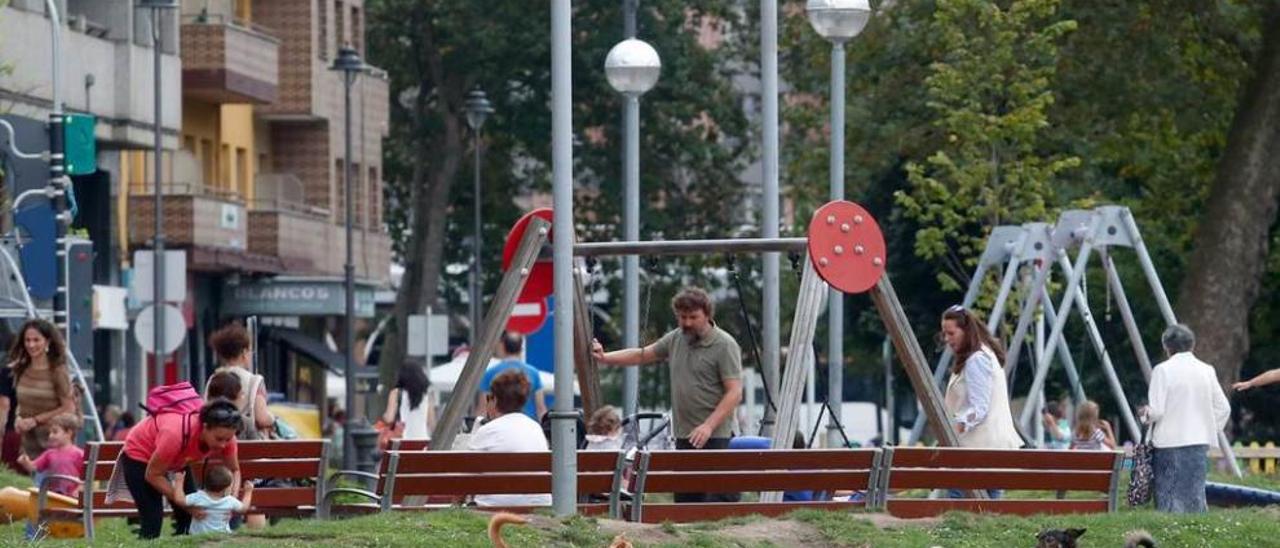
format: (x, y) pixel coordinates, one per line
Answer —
(1225, 494)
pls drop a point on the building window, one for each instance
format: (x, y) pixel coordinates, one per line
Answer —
(375, 199)
(339, 33)
(207, 170)
(242, 172)
(224, 174)
(357, 30)
(322, 15)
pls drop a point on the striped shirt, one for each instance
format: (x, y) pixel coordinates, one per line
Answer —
(40, 389)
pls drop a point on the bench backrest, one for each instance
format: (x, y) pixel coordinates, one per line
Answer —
(764, 470)
(967, 469)
(464, 473)
(295, 459)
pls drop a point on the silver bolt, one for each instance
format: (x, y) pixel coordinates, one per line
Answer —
(858, 249)
(839, 250)
(857, 219)
(542, 231)
(831, 219)
(823, 261)
(877, 261)
(524, 272)
(844, 227)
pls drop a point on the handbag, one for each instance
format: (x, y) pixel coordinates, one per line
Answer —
(1141, 476)
(388, 432)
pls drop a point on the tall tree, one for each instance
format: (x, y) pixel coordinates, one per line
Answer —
(1231, 244)
(990, 92)
(436, 51)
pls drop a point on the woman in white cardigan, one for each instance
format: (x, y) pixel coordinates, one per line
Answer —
(977, 398)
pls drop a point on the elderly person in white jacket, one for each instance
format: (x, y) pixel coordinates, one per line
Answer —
(1187, 407)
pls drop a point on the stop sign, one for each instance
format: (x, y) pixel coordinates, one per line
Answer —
(539, 283)
(528, 316)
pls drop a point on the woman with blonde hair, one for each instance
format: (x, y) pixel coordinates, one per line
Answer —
(1091, 432)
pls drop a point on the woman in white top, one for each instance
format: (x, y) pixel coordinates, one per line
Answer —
(1187, 408)
(509, 430)
(977, 397)
(407, 403)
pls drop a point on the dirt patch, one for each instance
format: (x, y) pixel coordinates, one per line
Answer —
(645, 533)
(783, 533)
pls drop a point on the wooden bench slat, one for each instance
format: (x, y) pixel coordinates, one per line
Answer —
(799, 459)
(496, 483)
(279, 449)
(274, 468)
(754, 480)
(708, 511)
(954, 457)
(920, 508)
(1073, 480)
(430, 462)
(284, 496)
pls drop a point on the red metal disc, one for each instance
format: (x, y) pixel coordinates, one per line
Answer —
(542, 277)
(846, 246)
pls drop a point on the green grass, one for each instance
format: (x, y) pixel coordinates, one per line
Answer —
(461, 529)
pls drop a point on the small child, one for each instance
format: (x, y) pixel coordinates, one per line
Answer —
(214, 499)
(604, 430)
(60, 456)
(1091, 432)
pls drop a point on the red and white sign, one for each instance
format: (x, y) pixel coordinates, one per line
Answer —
(539, 283)
(527, 317)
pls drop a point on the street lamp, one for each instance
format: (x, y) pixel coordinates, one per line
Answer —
(837, 21)
(348, 62)
(478, 110)
(157, 247)
(632, 68)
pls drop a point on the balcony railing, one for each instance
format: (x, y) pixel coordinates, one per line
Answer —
(284, 192)
(181, 188)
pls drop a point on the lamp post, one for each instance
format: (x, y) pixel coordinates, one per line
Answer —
(632, 68)
(837, 21)
(348, 62)
(478, 110)
(157, 288)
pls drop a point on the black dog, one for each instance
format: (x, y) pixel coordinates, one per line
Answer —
(1058, 538)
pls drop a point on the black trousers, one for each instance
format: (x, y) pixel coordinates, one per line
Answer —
(150, 503)
(713, 443)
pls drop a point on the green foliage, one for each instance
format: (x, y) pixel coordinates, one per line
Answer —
(990, 92)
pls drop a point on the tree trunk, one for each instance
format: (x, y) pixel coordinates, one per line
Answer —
(1230, 249)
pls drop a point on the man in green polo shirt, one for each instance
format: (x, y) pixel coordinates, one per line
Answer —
(706, 377)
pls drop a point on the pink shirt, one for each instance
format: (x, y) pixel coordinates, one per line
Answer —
(67, 460)
(160, 437)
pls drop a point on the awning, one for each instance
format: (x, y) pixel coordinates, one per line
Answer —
(310, 347)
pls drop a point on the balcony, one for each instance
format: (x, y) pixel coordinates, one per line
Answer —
(305, 237)
(227, 62)
(195, 215)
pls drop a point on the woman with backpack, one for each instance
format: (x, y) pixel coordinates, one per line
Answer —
(168, 441)
(231, 344)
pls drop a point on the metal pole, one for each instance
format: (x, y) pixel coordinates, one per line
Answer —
(631, 225)
(689, 247)
(891, 426)
(158, 204)
(835, 298)
(631, 231)
(1126, 313)
(771, 307)
(1073, 375)
(349, 273)
(476, 279)
(57, 172)
(1148, 267)
(564, 458)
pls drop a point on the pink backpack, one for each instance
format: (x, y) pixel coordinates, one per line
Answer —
(173, 398)
(180, 398)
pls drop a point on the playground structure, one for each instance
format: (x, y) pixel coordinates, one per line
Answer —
(845, 250)
(1032, 250)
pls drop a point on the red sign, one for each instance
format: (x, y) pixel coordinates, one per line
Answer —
(846, 246)
(527, 317)
(541, 279)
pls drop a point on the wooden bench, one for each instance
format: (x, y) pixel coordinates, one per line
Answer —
(930, 468)
(711, 471)
(293, 460)
(376, 480)
(448, 478)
